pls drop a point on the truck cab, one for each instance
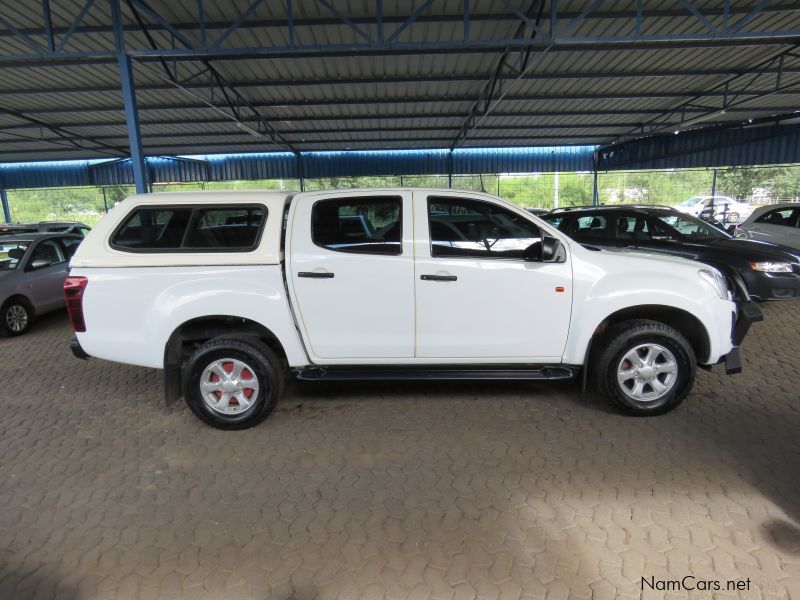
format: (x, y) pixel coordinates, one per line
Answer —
(226, 290)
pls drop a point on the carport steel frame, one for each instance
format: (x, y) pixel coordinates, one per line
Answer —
(376, 34)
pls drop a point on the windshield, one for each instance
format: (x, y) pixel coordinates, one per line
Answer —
(11, 252)
(692, 201)
(689, 228)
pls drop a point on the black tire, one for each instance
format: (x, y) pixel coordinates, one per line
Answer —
(263, 366)
(625, 337)
(10, 315)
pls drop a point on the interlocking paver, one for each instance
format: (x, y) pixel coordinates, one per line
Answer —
(496, 490)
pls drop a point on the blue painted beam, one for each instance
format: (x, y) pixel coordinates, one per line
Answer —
(132, 120)
(4, 202)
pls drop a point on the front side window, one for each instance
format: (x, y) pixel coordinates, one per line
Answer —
(359, 225)
(472, 228)
(675, 226)
(201, 228)
(46, 253)
(782, 216)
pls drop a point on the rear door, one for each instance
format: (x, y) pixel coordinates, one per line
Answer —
(477, 299)
(46, 271)
(351, 273)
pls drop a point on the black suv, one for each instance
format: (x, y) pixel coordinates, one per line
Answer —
(769, 271)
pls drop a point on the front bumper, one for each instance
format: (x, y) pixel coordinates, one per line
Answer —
(772, 286)
(748, 313)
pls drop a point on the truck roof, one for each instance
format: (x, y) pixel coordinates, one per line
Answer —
(212, 197)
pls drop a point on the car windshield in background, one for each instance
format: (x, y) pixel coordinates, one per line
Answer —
(691, 228)
(11, 252)
(692, 201)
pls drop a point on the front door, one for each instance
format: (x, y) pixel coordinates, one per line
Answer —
(476, 297)
(352, 274)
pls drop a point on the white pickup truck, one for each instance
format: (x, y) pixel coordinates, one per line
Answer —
(232, 291)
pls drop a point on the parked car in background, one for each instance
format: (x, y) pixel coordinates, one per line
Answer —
(46, 227)
(769, 271)
(538, 211)
(33, 267)
(721, 208)
(777, 223)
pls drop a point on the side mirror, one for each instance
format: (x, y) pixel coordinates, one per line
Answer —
(39, 264)
(547, 250)
(553, 250)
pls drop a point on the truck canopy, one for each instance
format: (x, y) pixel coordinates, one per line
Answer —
(188, 228)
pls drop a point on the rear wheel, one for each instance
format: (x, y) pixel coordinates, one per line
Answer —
(232, 383)
(16, 317)
(645, 367)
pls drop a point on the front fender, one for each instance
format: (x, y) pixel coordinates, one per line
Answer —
(602, 290)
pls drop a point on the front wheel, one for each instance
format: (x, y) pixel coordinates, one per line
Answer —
(645, 367)
(232, 383)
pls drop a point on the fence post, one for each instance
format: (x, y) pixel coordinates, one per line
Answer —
(105, 200)
(555, 190)
(714, 184)
(6, 211)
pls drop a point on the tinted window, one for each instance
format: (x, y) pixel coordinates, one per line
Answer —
(153, 229)
(236, 227)
(362, 225)
(70, 245)
(212, 228)
(686, 227)
(631, 228)
(781, 216)
(48, 251)
(474, 228)
(588, 228)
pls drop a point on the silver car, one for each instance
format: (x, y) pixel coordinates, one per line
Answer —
(33, 267)
(776, 223)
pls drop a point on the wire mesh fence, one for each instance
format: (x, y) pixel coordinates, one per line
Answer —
(755, 184)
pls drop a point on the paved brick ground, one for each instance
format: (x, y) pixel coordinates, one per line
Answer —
(415, 491)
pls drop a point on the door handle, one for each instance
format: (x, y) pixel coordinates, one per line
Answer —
(438, 277)
(315, 274)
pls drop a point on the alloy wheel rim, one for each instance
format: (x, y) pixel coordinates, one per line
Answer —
(17, 318)
(647, 372)
(229, 386)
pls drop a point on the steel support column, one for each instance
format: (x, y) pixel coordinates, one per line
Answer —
(4, 201)
(132, 121)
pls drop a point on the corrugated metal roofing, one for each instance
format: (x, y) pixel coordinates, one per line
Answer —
(285, 165)
(573, 95)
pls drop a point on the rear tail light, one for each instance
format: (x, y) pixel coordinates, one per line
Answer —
(73, 293)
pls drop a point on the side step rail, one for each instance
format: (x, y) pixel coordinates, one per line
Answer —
(444, 374)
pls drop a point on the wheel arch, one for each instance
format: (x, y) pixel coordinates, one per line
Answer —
(194, 332)
(682, 320)
(23, 298)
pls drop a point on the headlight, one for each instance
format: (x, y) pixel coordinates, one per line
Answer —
(715, 280)
(771, 267)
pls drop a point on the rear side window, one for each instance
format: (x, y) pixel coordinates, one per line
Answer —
(231, 228)
(359, 225)
(199, 228)
(588, 227)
